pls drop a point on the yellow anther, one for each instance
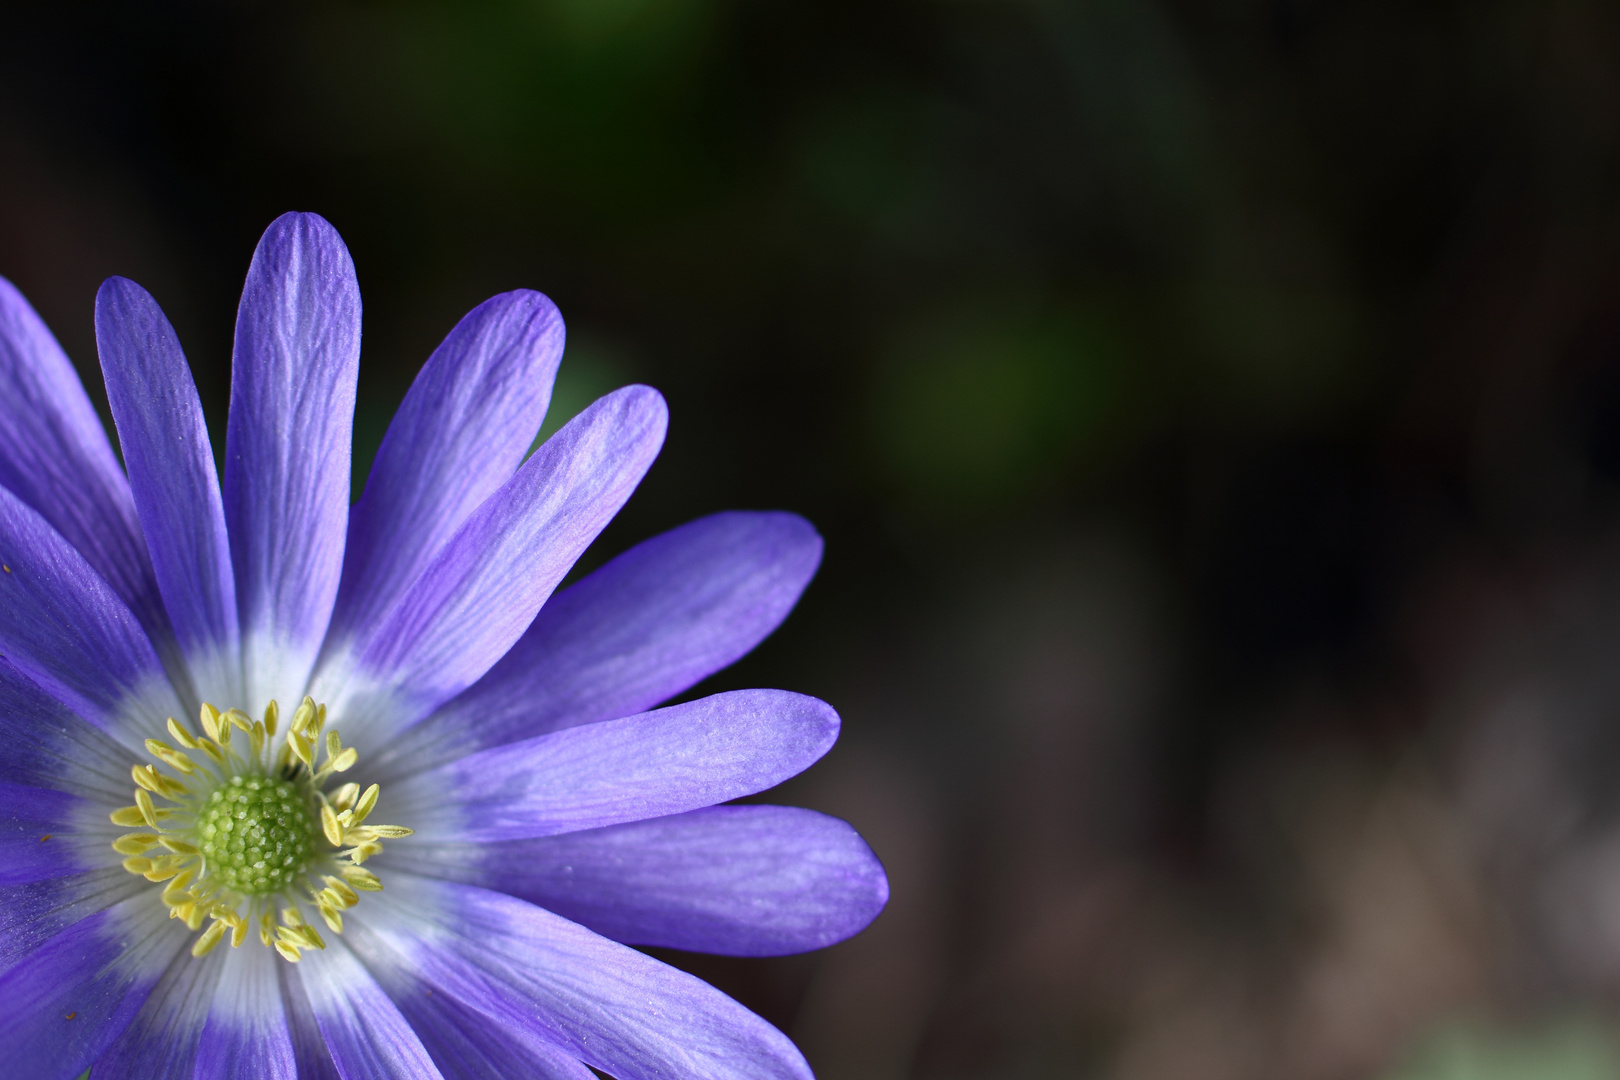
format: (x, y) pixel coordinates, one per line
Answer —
(291, 916)
(330, 826)
(334, 745)
(212, 749)
(176, 891)
(148, 811)
(289, 952)
(344, 761)
(178, 761)
(340, 888)
(267, 929)
(256, 739)
(194, 919)
(320, 722)
(209, 939)
(146, 776)
(181, 735)
(391, 832)
(211, 725)
(301, 745)
(272, 717)
(361, 852)
(330, 915)
(343, 798)
(134, 843)
(163, 868)
(239, 932)
(361, 878)
(239, 720)
(304, 717)
(367, 803)
(136, 864)
(128, 816)
(178, 846)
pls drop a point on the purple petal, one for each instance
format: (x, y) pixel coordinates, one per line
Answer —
(62, 626)
(160, 1043)
(171, 469)
(48, 746)
(467, 1045)
(608, 1005)
(31, 914)
(364, 1032)
(245, 1036)
(62, 1005)
(35, 840)
(461, 432)
(735, 880)
(663, 762)
(482, 590)
(287, 447)
(55, 457)
(638, 631)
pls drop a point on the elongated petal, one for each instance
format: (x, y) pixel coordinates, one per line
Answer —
(62, 626)
(36, 834)
(33, 913)
(663, 762)
(47, 745)
(646, 626)
(55, 457)
(459, 435)
(161, 1042)
(482, 590)
(171, 473)
(466, 1045)
(65, 1003)
(614, 1008)
(736, 880)
(246, 1036)
(364, 1032)
(287, 447)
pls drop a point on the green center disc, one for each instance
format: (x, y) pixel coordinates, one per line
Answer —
(256, 834)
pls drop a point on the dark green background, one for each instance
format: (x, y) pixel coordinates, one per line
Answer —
(1150, 368)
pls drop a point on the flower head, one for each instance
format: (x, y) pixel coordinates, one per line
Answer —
(213, 695)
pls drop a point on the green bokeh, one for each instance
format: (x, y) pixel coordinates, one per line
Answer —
(1572, 1049)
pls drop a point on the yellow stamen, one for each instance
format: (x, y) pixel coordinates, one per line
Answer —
(209, 939)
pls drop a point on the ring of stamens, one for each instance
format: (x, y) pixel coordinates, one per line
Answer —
(245, 831)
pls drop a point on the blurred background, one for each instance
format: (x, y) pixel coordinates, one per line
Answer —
(1212, 408)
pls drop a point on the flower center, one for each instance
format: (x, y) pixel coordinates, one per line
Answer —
(239, 835)
(256, 834)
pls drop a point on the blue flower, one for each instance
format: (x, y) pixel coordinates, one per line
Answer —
(212, 697)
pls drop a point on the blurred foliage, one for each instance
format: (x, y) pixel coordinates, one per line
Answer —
(1571, 1050)
(1299, 302)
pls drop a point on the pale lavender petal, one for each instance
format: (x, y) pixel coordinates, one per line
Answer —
(246, 1036)
(287, 447)
(461, 432)
(161, 1042)
(171, 468)
(312, 1059)
(55, 457)
(482, 590)
(649, 624)
(63, 1004)
(48, 746)
(62, 626)
(604, 1003)
(364, 1032)
(465, 1044)
(735, 880)
(663, 762)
